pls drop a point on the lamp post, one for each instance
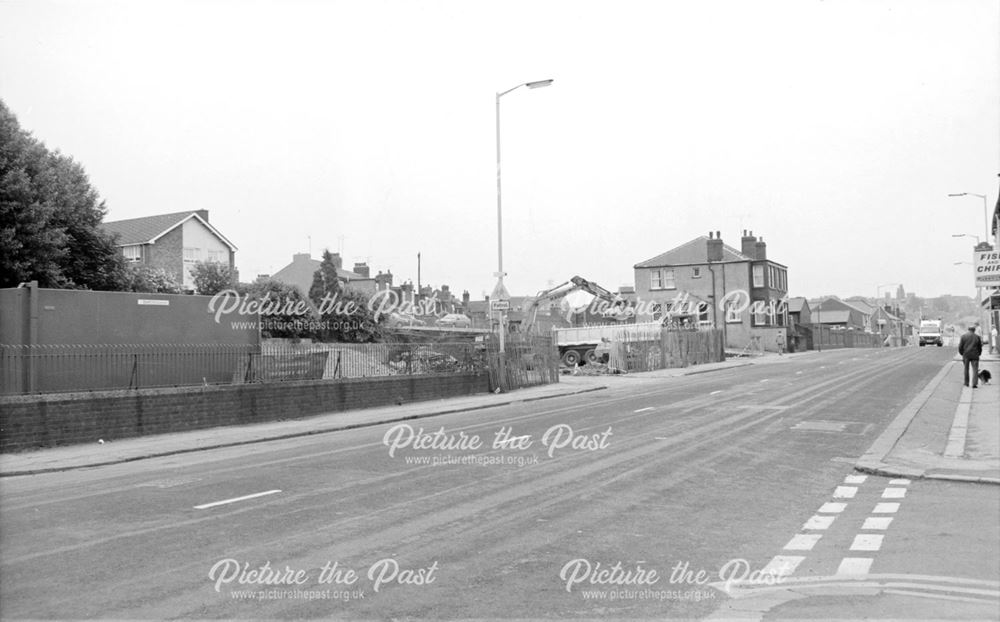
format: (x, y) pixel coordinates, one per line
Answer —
(500, 290)
(983, 323)
(986, 218)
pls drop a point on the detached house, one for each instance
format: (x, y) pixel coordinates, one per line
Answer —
(174, 242)
(707, 283)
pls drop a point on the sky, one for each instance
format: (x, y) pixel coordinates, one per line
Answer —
(834, 129)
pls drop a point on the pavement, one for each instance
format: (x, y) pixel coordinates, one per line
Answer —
(947, 432)
(104, 452)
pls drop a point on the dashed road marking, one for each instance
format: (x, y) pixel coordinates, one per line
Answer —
(855, 479)
(877, 522)
(867, 542)
(855, 566)
(899, 482)
(894, 493)
(716, 392)
(642, 410)
(205, 506)
(803, 542)
(833, 508)
(886, 508)
(845, 492)
(819, 522)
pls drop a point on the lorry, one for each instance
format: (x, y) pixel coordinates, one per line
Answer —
(590, 344)
(931, 332)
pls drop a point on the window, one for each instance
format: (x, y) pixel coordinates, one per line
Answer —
(191, 254)
(668, 280)
(732, 312)
(655, 280)
(762, 313)
(696, 273)
(216, 256)
(758, 275)
(703, 315)
(132, 252)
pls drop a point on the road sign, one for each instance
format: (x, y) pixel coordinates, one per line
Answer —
(500, 292)
(500, 305)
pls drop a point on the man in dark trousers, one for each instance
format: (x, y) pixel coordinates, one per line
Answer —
(970, 346)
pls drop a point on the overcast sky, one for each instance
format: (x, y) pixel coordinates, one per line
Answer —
(834, 129)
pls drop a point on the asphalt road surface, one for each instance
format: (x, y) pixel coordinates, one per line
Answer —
(623, 503)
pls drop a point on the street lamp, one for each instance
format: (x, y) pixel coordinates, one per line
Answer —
(966, 235)
(986, 218)
(500, 273)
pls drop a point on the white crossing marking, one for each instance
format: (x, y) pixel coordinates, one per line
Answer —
(855, 479)
(782, 566)
(899, 482)
(833, 508)
(803, 542)
(894, 493)
(867, 542)
(885, 508)
(845, 492)
(819, 522)
(877, 522)
(855, 566)
(205, 506)
(642, 410)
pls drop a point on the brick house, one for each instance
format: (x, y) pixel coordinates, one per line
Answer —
(173, 242)
(707, 283)
(842, 314)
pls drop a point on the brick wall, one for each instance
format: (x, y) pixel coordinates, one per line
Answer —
(50, 420)
(168, 253)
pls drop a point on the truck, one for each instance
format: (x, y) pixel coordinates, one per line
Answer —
(931, 332)
(590, 344)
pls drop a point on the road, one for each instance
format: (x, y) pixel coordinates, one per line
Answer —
(605, 504)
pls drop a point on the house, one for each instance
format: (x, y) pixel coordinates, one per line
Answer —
(842, 314)
(710, 284)
(300, 273)
(173, 242)
(799, 321)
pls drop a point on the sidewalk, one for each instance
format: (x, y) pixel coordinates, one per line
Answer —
(126, 450)
(948, 432)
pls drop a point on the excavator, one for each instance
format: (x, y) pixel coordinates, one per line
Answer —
(616, 309)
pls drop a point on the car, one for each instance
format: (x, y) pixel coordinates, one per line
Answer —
(454, 320)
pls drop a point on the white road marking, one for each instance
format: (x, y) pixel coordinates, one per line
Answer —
(782, 566)
(765, 380)
(877, 522)
(661, 438)
(855, 566)
(205, 506)
(798, 373)
(855, 479)
(803, 542)
(716, 392)
(894, 493)
(833, 508)
(867, 542)
(845, 492)
(885, 508)
(899, 482)
(819, 522)
(642, 410)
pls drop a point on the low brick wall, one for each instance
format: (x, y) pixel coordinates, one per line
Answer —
(30, 421)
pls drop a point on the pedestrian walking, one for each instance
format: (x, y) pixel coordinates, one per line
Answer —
(780, 339)
(970, 347)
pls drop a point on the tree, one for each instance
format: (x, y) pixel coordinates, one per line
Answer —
(211, 277)
(148, 279)
(50, 217)
(283, 302)
(326, 281)
(344, 313)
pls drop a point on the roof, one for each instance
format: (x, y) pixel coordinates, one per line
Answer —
(300, 273)
(795, 305)
(148, 229)
(693, 252)
(831, 317)
(860, 305)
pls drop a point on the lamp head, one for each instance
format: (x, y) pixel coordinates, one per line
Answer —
(538, 84)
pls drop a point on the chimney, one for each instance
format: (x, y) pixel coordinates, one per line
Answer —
(300, 257)
(445, 293)
(714, 246)
(748, 245)
(361, 269)
(466, 298)
(383, 280)
(761, 253)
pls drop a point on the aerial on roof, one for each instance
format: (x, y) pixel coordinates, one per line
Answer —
(693, 252)
(148, 229)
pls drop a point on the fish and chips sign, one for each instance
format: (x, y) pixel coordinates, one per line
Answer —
(987, 266)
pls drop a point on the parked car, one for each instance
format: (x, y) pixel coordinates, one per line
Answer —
(454, 320)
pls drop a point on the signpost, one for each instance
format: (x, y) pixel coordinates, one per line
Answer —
(986, 263)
